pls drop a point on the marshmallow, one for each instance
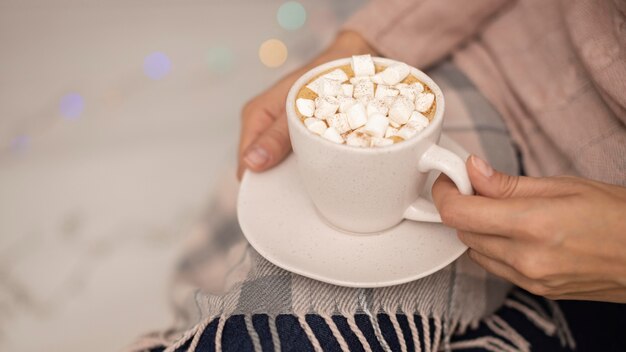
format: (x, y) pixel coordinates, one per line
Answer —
(381, 142)
(363, 65)
(418, 121)
(406, 90)
(383, 91)
(325, 107)
(345, 103)
(376, 125)
(357, 116)
(389, 101)
(323, 86)
(364, 100)
(378, 79)
(339, 122)
(401, 110)
(336, 75)
(424, 101)
(347, 90)
(406, 132)
(358, 139)
(390, 132)
(355, 80)
(377, 106)
(326, 84)
(330, 88)
(314, 125)
(316, 85)
(394, 124)
(306, 107)
(417, 87)
(363, 88)
(332, 135)
(395, 73)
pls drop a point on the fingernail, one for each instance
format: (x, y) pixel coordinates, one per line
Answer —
(256, 157)
(482, 166)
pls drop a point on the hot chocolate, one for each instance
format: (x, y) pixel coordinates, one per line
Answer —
(366, 105)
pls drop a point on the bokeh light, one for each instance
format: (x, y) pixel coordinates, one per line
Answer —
(220, 59)
(72, 105)
(273, 53)
(20, 143)
(291, 15)
(156, 65)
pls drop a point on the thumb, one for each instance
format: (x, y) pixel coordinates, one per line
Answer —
(494, 184)
(270, 148)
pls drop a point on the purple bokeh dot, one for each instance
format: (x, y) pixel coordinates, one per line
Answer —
(20, 143)
(72, 105)
(156, 65)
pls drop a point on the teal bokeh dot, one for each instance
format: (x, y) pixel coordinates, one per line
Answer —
(291, 15)
(220, 59)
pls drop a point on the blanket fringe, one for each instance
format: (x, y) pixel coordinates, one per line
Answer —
(374, 322)
(256, 341)
(198, 334)
(565, 335)
(359, 334)
(186, 336)
(488, 343)
(398, 330)
(336, 333)
(503, 329)
(532, 303)
(414, 332)
(271, 321)
(309, 333)
(426, 334)
(437, 334)
(449, 330)
(218, 333)
(542, 323)
(429, 339)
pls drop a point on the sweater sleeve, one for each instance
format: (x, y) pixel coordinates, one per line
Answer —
(421, 32)
(600, 46)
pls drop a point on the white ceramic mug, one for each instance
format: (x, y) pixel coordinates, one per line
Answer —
(366, 190)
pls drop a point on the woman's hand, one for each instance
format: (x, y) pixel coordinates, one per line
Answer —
(264, 140)
(559, 237)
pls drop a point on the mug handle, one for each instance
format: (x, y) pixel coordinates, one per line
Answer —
(438, 158)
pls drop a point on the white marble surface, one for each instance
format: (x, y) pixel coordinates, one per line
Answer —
(94, 210)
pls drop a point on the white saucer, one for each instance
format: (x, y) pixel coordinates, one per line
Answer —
(281, 223)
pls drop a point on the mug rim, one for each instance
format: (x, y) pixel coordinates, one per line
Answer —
(294, 120)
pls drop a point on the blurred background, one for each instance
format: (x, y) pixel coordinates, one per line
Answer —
(117, 118)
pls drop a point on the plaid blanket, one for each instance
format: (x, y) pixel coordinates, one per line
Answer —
(221, 276)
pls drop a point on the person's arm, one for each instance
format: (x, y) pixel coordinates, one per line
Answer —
(421, 32)
(559, 237)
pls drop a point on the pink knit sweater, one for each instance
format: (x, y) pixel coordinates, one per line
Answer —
(554, 69)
